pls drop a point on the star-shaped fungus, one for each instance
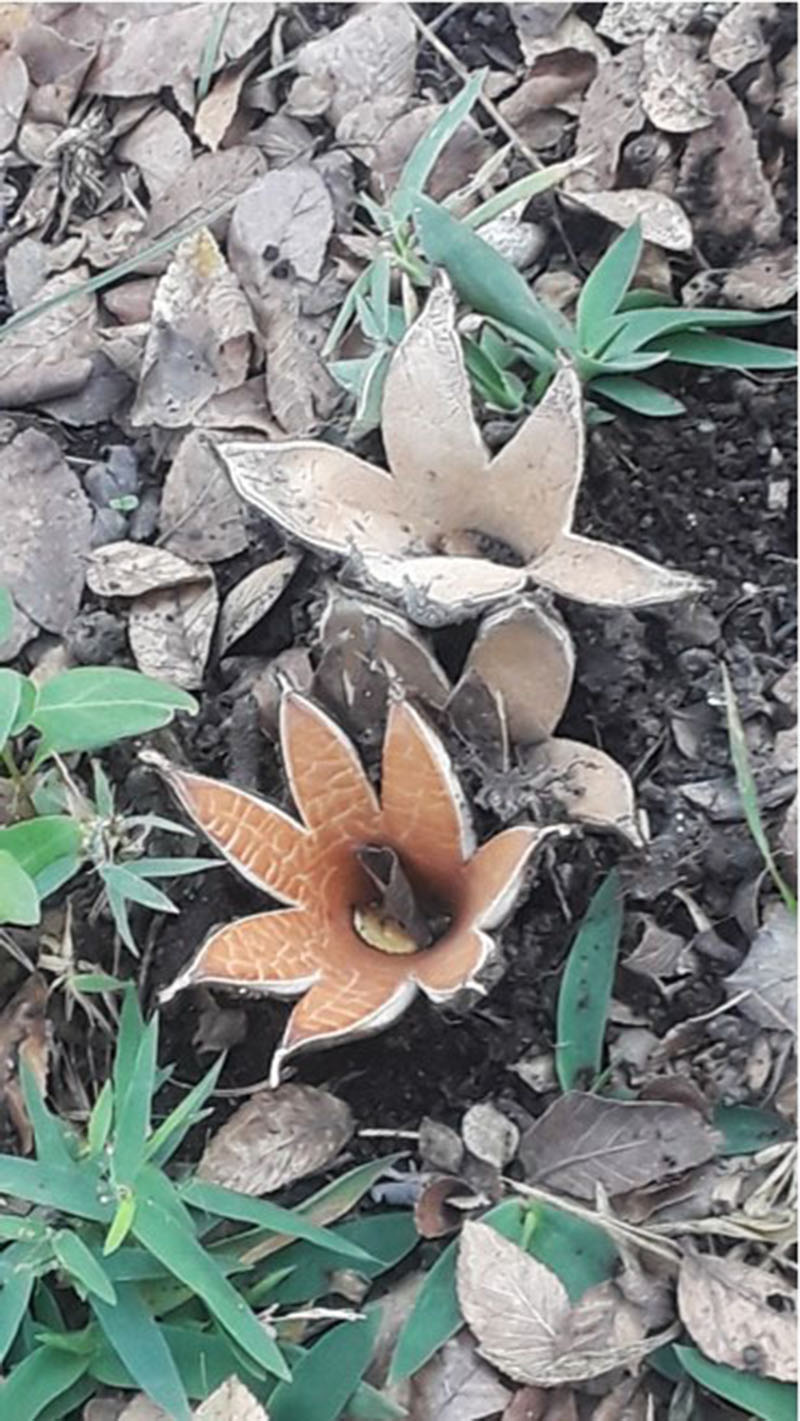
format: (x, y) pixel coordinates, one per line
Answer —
(383, 897)
(450, 530)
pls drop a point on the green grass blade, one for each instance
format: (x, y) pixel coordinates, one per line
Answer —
(208, 58)
(139, 1342)
(132, 1113)
(728, 353)
(746, 1129)
(586, 989)
(71, 1191)
(424, 155)
(485, 280)
(748, 792)
(328, 1374)
(634, 329)
(635, 395)
(185, 1257)
(38, 1380)
(755, 1396)
(346, 312)
(608, 283)
(80, 1263)
(15, 1296)
(522, 191)
(227, 1204)
(166, 1138)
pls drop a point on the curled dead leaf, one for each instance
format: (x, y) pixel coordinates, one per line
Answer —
(170, 631)
(250, 600)
(740, 1315)
(434, 1214)
(724, 159)
(129, 569)
(275, 1138)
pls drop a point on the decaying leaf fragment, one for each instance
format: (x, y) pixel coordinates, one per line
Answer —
(201, 517)
(276, 1137)
(24, 1038)
(199, 340)
(525, 1324)
(50, 355)
(456, 1385)
(724, 162)
(252, 598)
(768, 973)
(740, 1315)
(450, 531)
(355, 967)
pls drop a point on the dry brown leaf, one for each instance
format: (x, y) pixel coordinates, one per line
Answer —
(161, 149)
(141, 1408)
(434, 1215)
(49, 356)
(45, 531)
(13, 93)
(132, 302)
(663, 220)
(24, 1039)
(533, 1403)
(786, 102)
(626, 21)
(525, 656)
(460, 159)
(742, 1316)
(769, 972)
(170, 632)
(676, 84)
(142, 52)
(211, 180)
(440, 1147)
(611, 111)
(278, 1136)
(217, 110)
(524, 1323)
(231, 1402)
(250, 600)
(538, 35)
(456, 1385)
(199, 341)
(584, 1141)
(363, 71)
(129, 569)
(300, 391)
(201, 517)
(286, 217)
(723, 162)
(661, 954)
(56, 64)
(584, 785)
(489, 1135)
(739, 39)
(766, 280)
(553, 85)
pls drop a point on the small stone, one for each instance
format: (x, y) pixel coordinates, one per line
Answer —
(95, 639)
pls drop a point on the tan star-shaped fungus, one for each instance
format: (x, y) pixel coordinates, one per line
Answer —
(450, 530)
(383, 897)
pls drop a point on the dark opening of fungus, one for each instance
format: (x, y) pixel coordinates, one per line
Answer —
(399, 918)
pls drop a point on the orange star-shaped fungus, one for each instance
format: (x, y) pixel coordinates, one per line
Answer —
(351, 949)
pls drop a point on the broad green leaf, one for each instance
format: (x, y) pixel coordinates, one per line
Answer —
(485, 280)
(136, 888)
(368, 1404)
(38, 843)
(497, 387)
(141, 1346)
(90, 706)
(746, 1129)
(69, 1403)
(387, 1238)
(424, 155)
(27, 700)
(590, 366)
(637, 396)
(82, 1266)
(640, 298)
(25, 1227)
(203, 1359)
(531, 352)
(435, 1315)
(586, 989)
(38, 1380)
(6, 613)
(728, 353)
(379, 291)
(166, 1138)
(632, 330)
(580, 1253)
(99, 1126)
(90, 982)
(608, 283)
(55, 874)
(748, 793)
(185, 1257)
(19, 901)
(15, 1295)
(49, 1133)
(73, 1191)
(10, 691)
(756, 1396)
(242, 1208)
(328, 1374)
(132, 1109)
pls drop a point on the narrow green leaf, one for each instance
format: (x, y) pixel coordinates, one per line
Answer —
(746, 1129)
(15, 1295)
(166, 1138)
(586, 989)
(203, 1360)
(121, 1224)
(49, 1133)
(367, 415)
(171, 868)
(368, 1404)
(38, 843)
(88, 707)
(306, 1268)
(82, 1266)
(485, 280)
(19, 901)
(129, 1035)
(580, 1253)
(328, 1374)
(756, 1396)
(136, 888)
(72, 1191)
(38, 1380)
(497, 387)
(728, 353)
(590, 366)
(10, 692)
(608, 283)
(637, 396)
(346, 313)
(140, 1344)
(242, 1208)
(6, 613)
(132, 1109)
(748, 792)
(424, 155)
(184, 1256)
(640, 298)
(628, 332)
(210, 55)
(99, 1126)
(60, 871)
(522, 191)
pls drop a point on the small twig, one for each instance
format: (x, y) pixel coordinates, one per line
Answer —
(378, 1134)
